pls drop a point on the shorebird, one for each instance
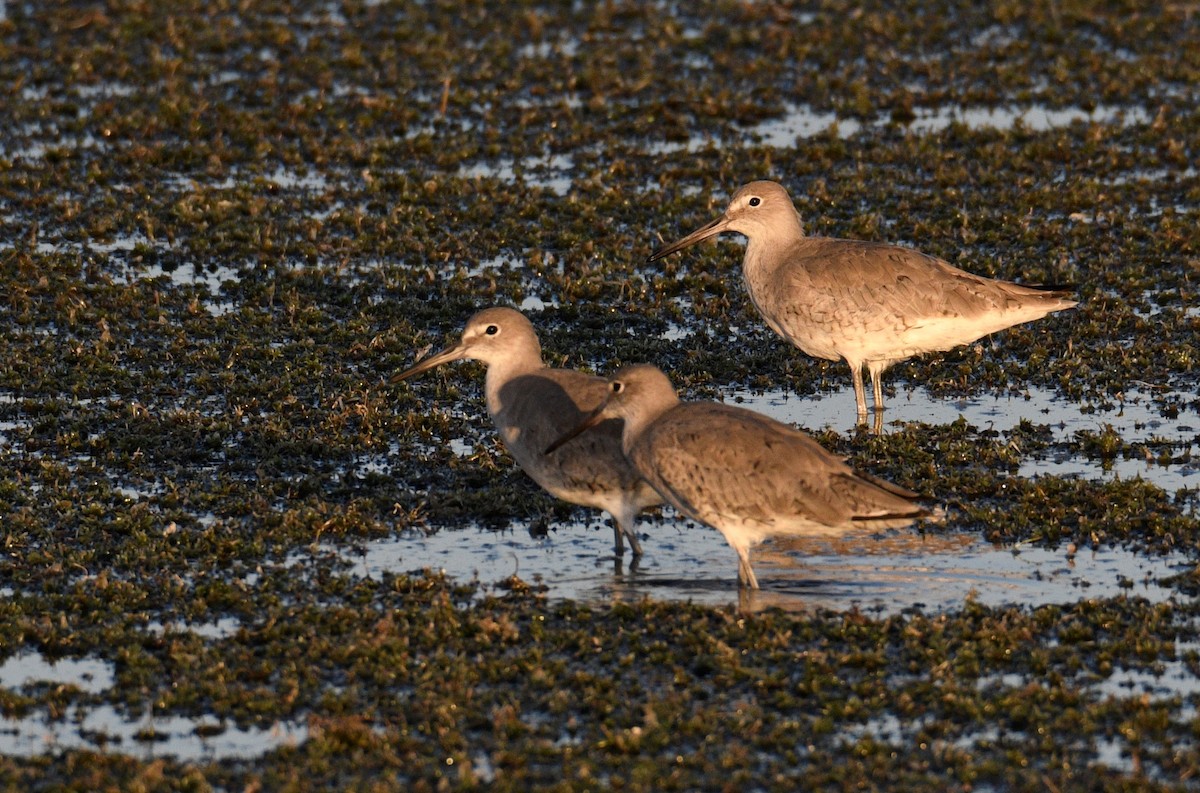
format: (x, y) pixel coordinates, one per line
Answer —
(746, 475)
(870, 303)
(532, 405)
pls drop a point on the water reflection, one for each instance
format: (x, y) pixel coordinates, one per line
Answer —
(880, 572)
(938, 569)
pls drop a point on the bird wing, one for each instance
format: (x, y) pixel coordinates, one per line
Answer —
(537, 409)
(868, 300)
(716, 462)
(892, 282)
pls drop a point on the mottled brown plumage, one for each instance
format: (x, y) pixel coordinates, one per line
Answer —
(745, 474)
(869, 303)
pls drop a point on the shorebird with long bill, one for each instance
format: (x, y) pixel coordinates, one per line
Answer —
(871, 304)
(532, 405)
(745, 474)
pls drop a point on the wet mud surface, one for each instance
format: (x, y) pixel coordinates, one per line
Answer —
(235, 558)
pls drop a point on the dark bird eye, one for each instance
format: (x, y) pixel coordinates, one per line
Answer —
(755, 201)
(492, 330)
(616, 388)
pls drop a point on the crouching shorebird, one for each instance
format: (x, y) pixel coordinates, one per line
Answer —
(745, 474)
(532, 405)
(869, 303)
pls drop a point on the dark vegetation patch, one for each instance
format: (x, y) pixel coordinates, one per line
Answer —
(222, 226)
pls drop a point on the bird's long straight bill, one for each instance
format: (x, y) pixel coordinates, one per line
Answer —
(445, 356)
(702, 233)
(593, 418)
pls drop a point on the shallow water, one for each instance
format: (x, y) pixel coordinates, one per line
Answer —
(1139, 418)
(100, 727)
(936, 570)
(91, 675)
(880, 572)
(800, 122)
(552, 172)
(175, 736)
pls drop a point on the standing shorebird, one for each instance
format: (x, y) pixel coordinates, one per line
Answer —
(747, 475)
(869, 303)
(532, 405)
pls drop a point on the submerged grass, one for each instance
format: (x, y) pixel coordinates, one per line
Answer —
(223, 225)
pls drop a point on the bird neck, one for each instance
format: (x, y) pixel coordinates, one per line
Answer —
(501, 372)
(767, 245)
(650, 410)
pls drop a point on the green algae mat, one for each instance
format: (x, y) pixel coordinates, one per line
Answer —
(224, 225)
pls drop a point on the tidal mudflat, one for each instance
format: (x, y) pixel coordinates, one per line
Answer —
(235, 558)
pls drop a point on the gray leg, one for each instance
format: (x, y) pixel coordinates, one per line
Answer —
(746, 577)
(623, 527)
(860, 393)
(876, 368)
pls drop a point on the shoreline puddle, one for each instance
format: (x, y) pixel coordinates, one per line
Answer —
(106, 730)
(103, 728)
(1137, 419)
(883, 573)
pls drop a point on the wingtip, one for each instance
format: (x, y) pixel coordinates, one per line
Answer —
(1066, 292)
